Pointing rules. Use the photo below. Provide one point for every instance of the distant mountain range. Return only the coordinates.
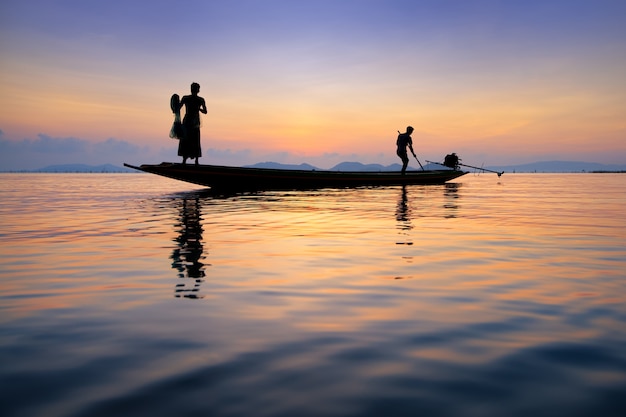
(276, 165)
(545, 166)
(560, 166)
(344, 166)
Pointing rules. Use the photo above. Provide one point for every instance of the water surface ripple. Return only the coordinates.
(132, 295)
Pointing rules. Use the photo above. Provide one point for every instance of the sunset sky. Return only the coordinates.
(324, 81)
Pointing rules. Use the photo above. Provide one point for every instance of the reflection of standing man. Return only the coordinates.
(189, 145)
(403, 212)
(188, 255)
(404, 141)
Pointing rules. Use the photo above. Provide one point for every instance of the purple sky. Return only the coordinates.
(291, 81)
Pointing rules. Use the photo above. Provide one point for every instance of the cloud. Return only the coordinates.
(45, 150)
(44, 144)
(47, 144)
(112, 145)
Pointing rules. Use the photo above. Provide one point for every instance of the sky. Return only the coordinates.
(496, 81)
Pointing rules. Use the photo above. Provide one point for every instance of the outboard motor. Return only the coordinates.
(451, 161)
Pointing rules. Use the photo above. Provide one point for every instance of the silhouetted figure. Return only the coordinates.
(404, 141)
(189, 145)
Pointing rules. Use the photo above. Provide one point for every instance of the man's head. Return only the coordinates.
(409, 129)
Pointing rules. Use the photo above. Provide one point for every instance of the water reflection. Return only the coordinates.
(514, 307)
(428, 200)
(428, 204)
(187, 256)
(451, 195)
(285, 214)
(403, 211)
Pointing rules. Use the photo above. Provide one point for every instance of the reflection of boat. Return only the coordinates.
(250, 179)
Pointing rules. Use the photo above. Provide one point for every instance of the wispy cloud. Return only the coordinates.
(45, 150)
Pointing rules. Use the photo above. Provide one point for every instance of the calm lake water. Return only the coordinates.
(134, 295)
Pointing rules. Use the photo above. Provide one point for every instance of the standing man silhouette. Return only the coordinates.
(189, 145)
(404, 141)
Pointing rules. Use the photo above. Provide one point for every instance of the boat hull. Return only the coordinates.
(225, 178)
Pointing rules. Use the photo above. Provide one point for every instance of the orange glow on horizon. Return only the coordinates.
(309, 122)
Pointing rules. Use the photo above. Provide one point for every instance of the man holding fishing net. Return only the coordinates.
(188, 132)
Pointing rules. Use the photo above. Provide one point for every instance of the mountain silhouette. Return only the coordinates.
(276, 165)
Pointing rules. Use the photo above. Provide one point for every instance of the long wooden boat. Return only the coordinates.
(225, 178)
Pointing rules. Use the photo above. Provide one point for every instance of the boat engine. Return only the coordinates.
(451, 161)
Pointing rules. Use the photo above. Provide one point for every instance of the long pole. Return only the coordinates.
(483, 169)
(418, 161)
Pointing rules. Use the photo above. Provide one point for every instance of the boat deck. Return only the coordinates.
(257, 179)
